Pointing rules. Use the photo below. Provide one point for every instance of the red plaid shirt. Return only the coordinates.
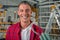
(14, 32)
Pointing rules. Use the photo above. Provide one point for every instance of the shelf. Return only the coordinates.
(49, 2)
(2, 31)
(44, 16)
(54, 35)
(46, 22)
(7, 22)
(51, 28)
(1, 17)
(45, 12)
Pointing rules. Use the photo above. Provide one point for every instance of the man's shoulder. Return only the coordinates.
(13, 26)
(37, 28)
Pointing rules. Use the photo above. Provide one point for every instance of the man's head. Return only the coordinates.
(24, 11)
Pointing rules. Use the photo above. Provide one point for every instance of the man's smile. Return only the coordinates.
(25, 17)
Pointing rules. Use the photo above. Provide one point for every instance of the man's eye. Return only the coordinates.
(21, 10)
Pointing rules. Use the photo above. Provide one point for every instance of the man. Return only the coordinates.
(25, 29)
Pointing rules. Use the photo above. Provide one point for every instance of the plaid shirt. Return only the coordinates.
(14, 32)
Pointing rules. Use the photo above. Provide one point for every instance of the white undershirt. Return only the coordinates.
(25, 33)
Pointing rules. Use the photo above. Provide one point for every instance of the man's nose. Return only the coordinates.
(25, 12)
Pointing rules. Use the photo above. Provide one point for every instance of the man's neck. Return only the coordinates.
(25, 24)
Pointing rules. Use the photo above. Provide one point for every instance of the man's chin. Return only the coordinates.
(25, 21)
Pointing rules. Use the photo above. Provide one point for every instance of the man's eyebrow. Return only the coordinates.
(27, 9)
(19, 9)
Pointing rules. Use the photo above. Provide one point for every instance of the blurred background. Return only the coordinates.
(40, 15)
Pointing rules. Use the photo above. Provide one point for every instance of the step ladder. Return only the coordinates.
(55, 15)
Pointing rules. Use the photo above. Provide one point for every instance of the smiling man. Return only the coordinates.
(25, 29)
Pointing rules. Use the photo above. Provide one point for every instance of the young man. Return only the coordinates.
(25, 29)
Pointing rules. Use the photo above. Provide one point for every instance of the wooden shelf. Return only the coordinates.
(51, 28)
(7, 22)
(54, 35)
(3, 31)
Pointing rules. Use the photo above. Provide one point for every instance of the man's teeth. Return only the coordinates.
(25, 16)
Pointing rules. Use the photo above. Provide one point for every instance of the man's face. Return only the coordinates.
(24, 12)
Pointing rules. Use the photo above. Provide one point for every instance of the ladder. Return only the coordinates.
(55, 15)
